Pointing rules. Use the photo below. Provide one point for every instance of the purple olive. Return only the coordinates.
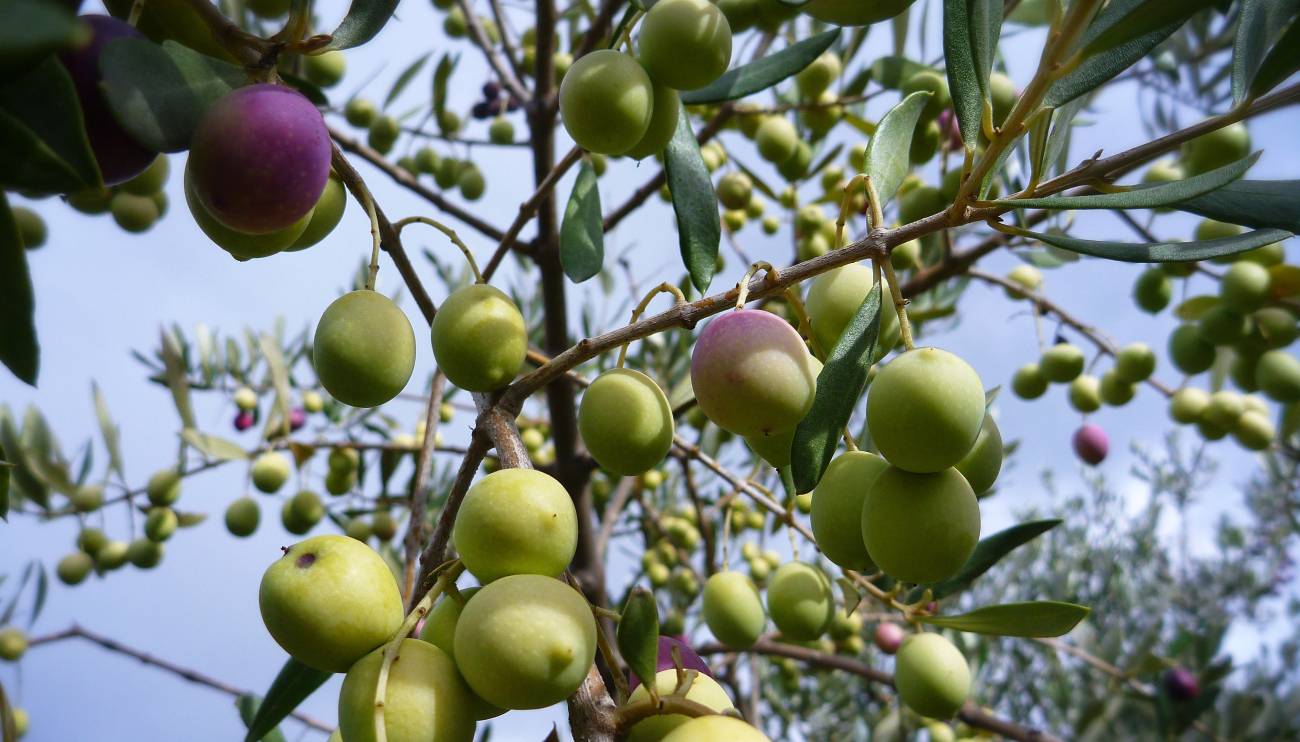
(483, 110)
(690, 660)
(260, 158)
(1181, 684)
(889, 636)
(243, 421)
(119, 157)
(297, 418)
(1091, 444)
(491, 90)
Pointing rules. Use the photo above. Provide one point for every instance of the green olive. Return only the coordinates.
(837, 507)
(479, 338)
(920, 527)
(925, 409)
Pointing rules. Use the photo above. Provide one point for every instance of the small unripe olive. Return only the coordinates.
(1027, 277)
(1028, 382)
(933, 83)
(144, 553)
(1253, 431)
(625, 421)
(931, 675)
(160, 524)
(1085, 393)
(1278, 376)
(91, 540)
(606, 101)
(1188, 404)
(1135, 362)
(919, 203)
(1188, 351)
(325, 69)
(1224, 409)
(111, 556)
(164, 487)
(13, 643)
(516, 521)
(133, 213)
(359, 112)
(87, 498)
(1153, 290)
(325, 216)
(1222, 325)
(151, 180)
(1115, 391)
(270, 471)
(74, 568)
(906, 256)
(302, 512)
(425, 698)
(795, 166)
(1242, 370)
(1277, 326)
(479, 338)
(920, 527)
(242, 517)
(1002, 91)
(1216, 148)
(833, 300)
(776, 140)
(982, 464)
(364, 349)
(735, 190)
(925, 409)
(471, 183)
(732, 609)
(1062, 362)
(837, 507)
(800, 600)
(1245, 286)
(685, 44)
(525, 641)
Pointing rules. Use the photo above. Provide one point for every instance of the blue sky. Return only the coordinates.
(101, 292)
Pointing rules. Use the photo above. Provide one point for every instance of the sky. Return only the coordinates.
(101, 292)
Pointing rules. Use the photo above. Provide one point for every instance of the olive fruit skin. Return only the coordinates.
(931, 675)
(833, 300)
(1278, 376)
(326, 69)
(933, 83)
(1091, 444)
(1244, 286)
(800, 600)
(74, 568)
(817, 77)
(164, 487)
(732, 609)
(242, 517)
(329, 601)
(925, 409)
(837, 507)
(1253, 431)
(260, 158)
(1062, 362)
(13, 644)
(1277, 326)
(1216, 148)
(684, 44)
(920, 527)
(525, 641)
(160, 524)
(776, 140)
(735, 190)
(982, 464)
(606, 101)
(270, 472)
(663, 124)
(119, 157)
(1115, 391)
(1085, 393)
(1153, 290)
(364, 349)
(440, 631)
(425, 699)
(1135, 362)
(479, 338)
(1028, 382)
(626, 422)
(144, 553)
(325, 216)
(1188, 404)
(714, 729)
(752, 373)
(888, 637)
(243, 246)
(854, 12)
(703, 690)
(1189, 352)
(516, 521)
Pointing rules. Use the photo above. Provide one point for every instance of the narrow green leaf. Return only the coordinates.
(582, 234)
(1142, 18)
(189, 520)
(1251, 203)
(1099, 68)
(159, 93)
(295, 682)
(45, 146)
(280, 380)
(1194, 308)
(762, 74)
(1162, 252)
(365, 18)
(40, 593)
(248, 705)
(21, 474)
(109, 430)
(985, 28)
(963, 74)
(1143, 196)
(32, 29)
(839, 385)
(988, 552)
(699, 230)
(1283, 60)
(1257, 25)
(441, 75)
(177, 378)
(405, 78)
(887, 160)
(214, 447)
(1040, 618)
(638, 635)
(18, 347)
(5, 466)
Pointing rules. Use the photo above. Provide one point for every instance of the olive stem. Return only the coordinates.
(401, 224)
(900, 304)
(374, 236)
(137, 8)
(847, 201)
(663, 288)
(671, 704)
(450, 571)
(742, 288)
(873, 203)
(621, 689)
(805, 322)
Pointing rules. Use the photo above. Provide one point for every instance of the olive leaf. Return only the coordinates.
(1251, 203)
(248, 704)
(699, 230)
(638, 635)
(294, 683)
(582, 235)
(45, 146)
(214, 447)
(364, 20)
(18, 347)
(1040, 618)
(1161, 252)
(762, 74)
(988, 552)
(32, 29)
(887, 158)
(1258, 24)
(970, 40)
